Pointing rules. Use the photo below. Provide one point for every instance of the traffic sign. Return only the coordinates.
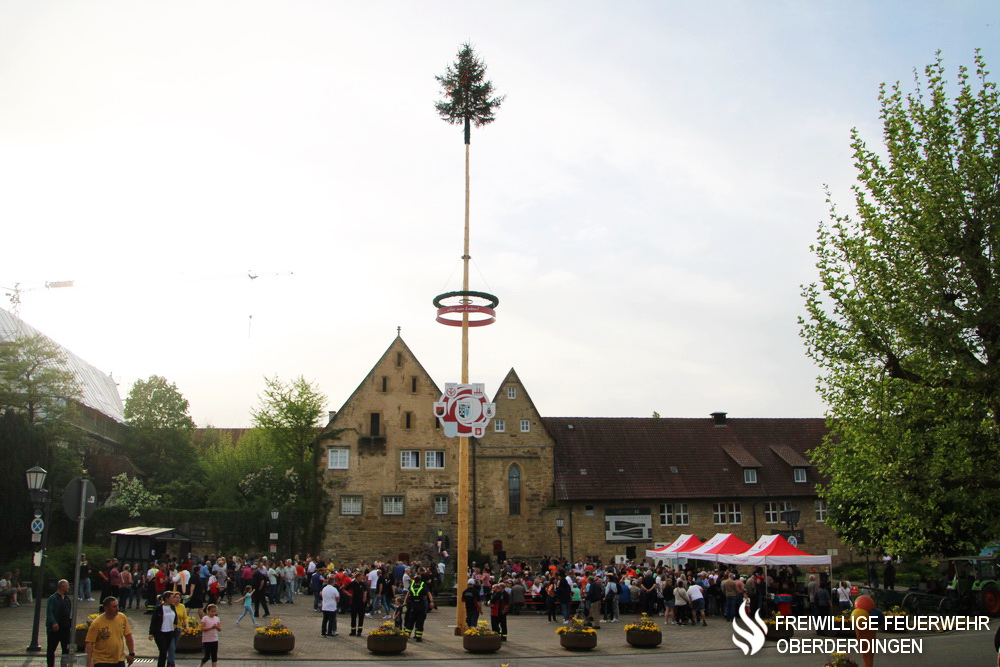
(37, 525)
(71, 498)
(35, 537)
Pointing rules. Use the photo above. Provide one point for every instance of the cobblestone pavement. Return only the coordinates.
(533, 643)
(530, 636)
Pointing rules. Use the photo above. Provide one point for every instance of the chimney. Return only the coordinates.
(720, 418)
(333, 413)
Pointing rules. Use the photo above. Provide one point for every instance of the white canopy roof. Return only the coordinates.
(774, 550)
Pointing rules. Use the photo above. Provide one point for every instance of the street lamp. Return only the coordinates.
(274, 530)
(40, 498)
(791, 517)
(559, 527)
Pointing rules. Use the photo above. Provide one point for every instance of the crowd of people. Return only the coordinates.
(404, 593)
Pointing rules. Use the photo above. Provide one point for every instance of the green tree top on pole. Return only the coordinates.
(468, 94)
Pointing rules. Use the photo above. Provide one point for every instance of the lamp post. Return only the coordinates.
(40, 498)
(791, 517)
(559, 527)
(274, 531)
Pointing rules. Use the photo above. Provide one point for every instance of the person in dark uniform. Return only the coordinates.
(418, 600)
(499, 607)
(470, 598)
(358, 590)
(58, 620)
(260, 583)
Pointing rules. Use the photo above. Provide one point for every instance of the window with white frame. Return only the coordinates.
(499, 425)
(723, 513)
(799, 475)
(434, 460)
(666, 514)
(350, 505)
(773, 510)
(674, 514)
(409, 459)
(441, 504)
(525, 426)
(337, 459)
(511, 392)
(681, 516)
(820, 511)
(750, 475)
(392, 505)
(719, 513)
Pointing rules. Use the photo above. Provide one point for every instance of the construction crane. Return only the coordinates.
(14, 295)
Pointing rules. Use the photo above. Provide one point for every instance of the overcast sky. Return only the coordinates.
(643, 206)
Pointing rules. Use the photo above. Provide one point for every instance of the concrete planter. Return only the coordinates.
(274, 645)
(482, 643)
(578, 641)
(643, 638)
(386, 644)
(188, 643)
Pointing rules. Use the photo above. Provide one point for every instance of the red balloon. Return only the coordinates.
(864, 602)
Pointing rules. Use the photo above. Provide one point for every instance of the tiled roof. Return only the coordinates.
(600, 458)
(790, 456)
(740, 456)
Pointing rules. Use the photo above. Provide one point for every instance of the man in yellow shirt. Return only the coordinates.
(108, 637)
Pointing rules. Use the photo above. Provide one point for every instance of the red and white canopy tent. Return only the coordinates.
(669, 552)
(722, 544)
(774, 550)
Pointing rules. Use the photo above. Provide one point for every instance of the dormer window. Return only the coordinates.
(750, 475)
(800, 475)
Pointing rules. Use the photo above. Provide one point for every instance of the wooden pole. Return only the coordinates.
(462, 557)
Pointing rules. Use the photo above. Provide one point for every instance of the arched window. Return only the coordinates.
(514, 490)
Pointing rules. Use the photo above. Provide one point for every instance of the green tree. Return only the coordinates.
(227, 466)
(289, 415)
(904, 324)
(468, 94)
(131, 494)
(159, 441)
(35, 380)
(156, 404)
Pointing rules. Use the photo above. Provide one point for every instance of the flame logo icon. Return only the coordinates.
(754, 636)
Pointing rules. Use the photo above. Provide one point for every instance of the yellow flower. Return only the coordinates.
(480, 630)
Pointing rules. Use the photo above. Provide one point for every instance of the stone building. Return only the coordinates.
(625, 485)
(620, 485)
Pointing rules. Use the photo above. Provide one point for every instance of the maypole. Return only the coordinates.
(464, 410)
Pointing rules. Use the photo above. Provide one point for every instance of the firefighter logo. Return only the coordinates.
(464, 410)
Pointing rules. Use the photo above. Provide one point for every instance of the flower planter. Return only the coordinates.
(481, 643)
(386, 644)
(644, 638)
(81, 639)
(279, 644)
(578, 641)
(775, 633)
(189, 643)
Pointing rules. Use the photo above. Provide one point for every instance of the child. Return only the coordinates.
(211, 626)
(247, 605)
(400, 611)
